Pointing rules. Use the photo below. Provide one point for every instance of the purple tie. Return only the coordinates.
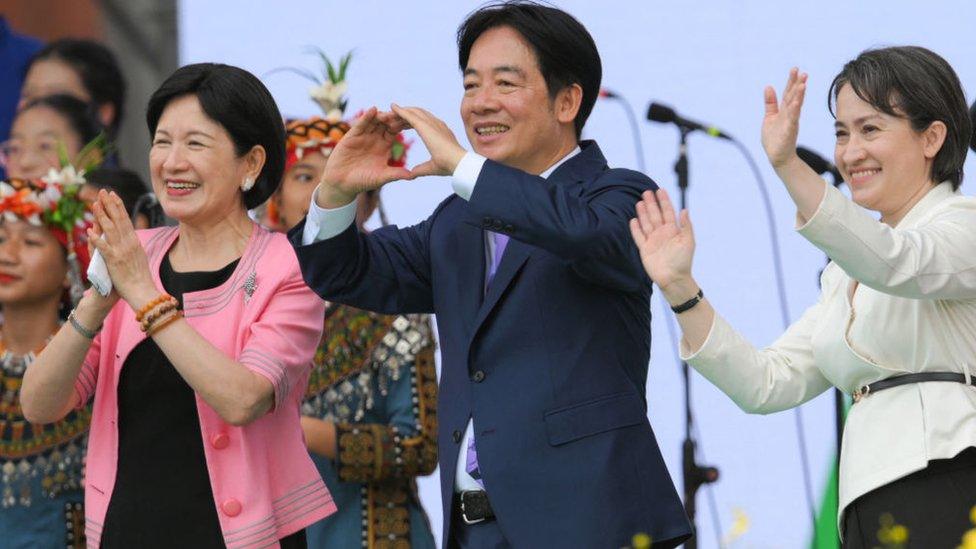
(500, 241)
(471, 464)
(471, 461)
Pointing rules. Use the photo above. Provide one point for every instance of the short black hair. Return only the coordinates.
(564, 49)
(97, 68)
(917, 84)
(76, 112)
(242, 105)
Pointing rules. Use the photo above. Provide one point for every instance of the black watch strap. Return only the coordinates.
(678, 309)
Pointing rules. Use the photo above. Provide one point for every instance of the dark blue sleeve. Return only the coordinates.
(584, 223)
(386, 271)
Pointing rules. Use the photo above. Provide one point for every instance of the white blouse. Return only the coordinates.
(913, 311)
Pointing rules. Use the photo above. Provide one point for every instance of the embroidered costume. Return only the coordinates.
(42, 466)
(374, 378)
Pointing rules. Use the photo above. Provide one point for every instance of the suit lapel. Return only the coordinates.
(515, 256)
(471, 270)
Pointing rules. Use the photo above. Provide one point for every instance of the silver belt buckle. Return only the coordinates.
(861, 392)
(464, 515)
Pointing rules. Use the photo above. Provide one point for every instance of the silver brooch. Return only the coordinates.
(250, 284)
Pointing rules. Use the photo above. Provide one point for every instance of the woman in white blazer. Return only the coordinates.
(895, 324)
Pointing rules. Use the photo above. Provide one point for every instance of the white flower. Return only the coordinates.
(6, 189)
(329, 91)
(328, 95)
(334, 115)
(35, 220)
(67, 176)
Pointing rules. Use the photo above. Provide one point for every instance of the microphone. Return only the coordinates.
(663, 113)
(819, 164)
(606, 93)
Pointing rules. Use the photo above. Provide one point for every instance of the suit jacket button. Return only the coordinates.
(496, 225)
(231, 507)
(508, 228)
(456, 435)
(487, 222)
(478, 376)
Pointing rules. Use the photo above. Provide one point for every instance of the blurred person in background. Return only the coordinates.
(43, 130)
(85, 69)
(370, 413)
(16, 51)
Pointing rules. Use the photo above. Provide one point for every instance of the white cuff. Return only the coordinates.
(325, 223)
(466, 174)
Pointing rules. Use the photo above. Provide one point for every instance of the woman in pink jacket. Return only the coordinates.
(199, 356)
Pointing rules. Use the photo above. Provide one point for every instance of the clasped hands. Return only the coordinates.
(114, 236)
(359, 161)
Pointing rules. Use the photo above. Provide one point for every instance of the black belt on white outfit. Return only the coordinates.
(923, 377)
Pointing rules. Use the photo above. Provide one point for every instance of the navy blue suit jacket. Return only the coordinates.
(551, 363)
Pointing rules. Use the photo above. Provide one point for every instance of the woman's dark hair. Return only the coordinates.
(239, 102)
(916, 84)
(96, 67)
(78, 114)
(972, 120)
(563, 48)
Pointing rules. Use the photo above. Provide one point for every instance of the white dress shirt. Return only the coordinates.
(913, 311)
(323, 223)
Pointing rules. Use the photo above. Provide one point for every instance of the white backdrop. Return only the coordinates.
(710, 60)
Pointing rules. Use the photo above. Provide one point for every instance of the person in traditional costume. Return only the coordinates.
(43, 257)
(370, 413)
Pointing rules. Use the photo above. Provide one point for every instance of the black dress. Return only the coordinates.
(162, 496)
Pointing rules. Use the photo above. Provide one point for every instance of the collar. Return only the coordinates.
(936, 195)
(576, 150)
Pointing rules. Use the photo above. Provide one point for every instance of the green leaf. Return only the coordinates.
(63, 157)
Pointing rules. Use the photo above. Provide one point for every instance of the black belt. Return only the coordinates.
(865, 390)
(473, 506)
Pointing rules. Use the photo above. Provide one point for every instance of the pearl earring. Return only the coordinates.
(247, 184)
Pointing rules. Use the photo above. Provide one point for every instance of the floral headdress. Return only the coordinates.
(322, 134)
(54, 202)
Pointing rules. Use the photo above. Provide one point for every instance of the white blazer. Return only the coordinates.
(914, 311)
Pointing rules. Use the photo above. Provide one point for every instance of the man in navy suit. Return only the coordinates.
(541, 302)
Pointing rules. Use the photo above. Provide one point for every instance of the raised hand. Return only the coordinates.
(445, 151)
(782, 121)
(359, 162)
(666, 247)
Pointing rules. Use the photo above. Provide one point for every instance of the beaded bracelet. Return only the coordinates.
(157, 312)
(151, 305)
(163, 323)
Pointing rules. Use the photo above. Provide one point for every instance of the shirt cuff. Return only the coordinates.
(466, 174)
(325, 223)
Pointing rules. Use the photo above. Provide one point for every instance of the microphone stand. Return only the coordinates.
(694, 475)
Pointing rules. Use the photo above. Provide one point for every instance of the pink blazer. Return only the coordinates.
(264, 483)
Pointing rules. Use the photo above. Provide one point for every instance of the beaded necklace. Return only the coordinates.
(30, 452)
